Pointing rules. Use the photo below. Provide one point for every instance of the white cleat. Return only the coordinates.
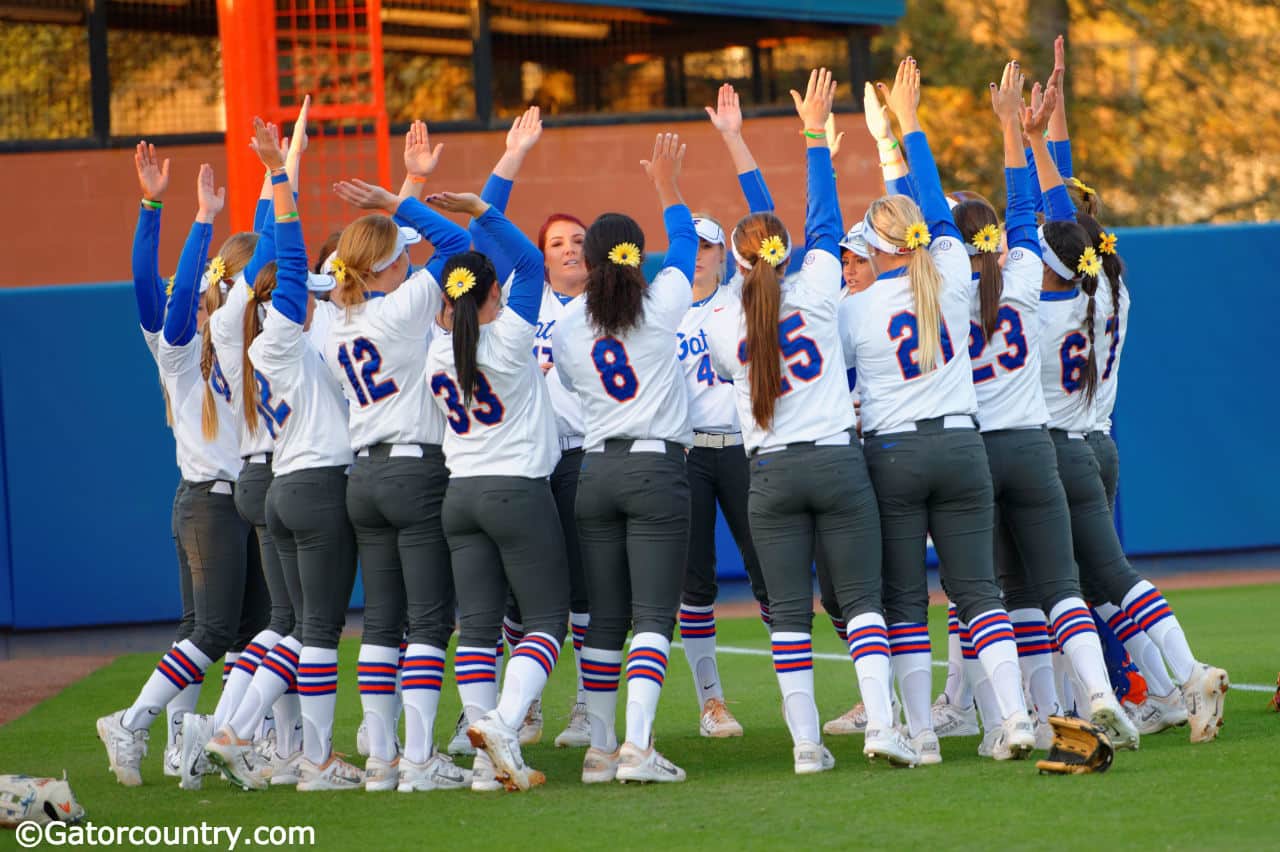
(1019, 738)
(599, 766)
(576, 734)
(1158, 713)
(334, 774)
(197, 730)
(173, 759)
(1204, 695)
(927, 746)
(381, 775)
(1044, 736)
(238, 759)
(265, 746)
(812, 758)
(531, 727)
(1105, 712)
(952, 721)
(643, 767)
(482, 778)
(717, 721)
(460, 744)
(286, 771)
(889, 744)
(125, 748)
(362, 739)
(503, 747)
(438, 772)
(852, 721)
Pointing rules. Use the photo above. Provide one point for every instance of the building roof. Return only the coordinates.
(877, 12)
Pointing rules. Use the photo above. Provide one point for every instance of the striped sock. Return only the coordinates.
(1077, 636)
(765, 617)
(1139, 645)
(182, 667)
(1035, 659)
(1147, 608)
(840, 627)
(317, 695)
(578, 623)
(868, 641)
(275, 676)
(183, 703)
(911, 657)
(601, 671)
(998, 652)
(984, 696)
(698, 635)
(499, 649)
(957, 690)
(377, 670)
(421, 678)
(531, 664)
(235, 686)
(793, 664)
(646, 672)
(404, 648)
(475, 670)
(228, 663)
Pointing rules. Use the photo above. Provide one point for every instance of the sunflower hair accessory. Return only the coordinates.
(1107, 245)
(168, 288)
(1082, 186)
(338, 268)
(625, 254)
(216, 270)
(459, 282)
(987, 240)
(918, 235)
(772, 250)
(1090, 264)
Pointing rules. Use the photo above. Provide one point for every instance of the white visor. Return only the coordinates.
(401, 242)
(855, 242)
(1053, 261)
(709, 231)
(411, 236)
(320, 282)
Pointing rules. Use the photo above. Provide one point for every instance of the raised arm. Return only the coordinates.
(264, 251)
(420, 160)
(726, 118)
(904, 100)
(148, 286)
(525, 132)
(1059, 138)
(446, 237)
(893, 165)
(184, 304)
(1035, 119)
(1020, 212)
(664, 171)
(290, 295)
(822, 216)
(524, 258)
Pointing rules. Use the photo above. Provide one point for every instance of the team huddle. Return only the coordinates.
(522, 439)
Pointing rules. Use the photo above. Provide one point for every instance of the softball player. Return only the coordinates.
(306, 503)
(616, 348)
(560, 240)
(499, 512)
(924, 454)
(212, 533)
(375, 352)
(1069, 377)
(808, 481)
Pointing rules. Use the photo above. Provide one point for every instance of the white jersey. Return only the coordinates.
(878, 331)
(226, 324)
(377, 353)
(712, 404)
(305, 404)
(508, 429)
(1064, 357)
(567, 406)
(815, 391)
(200, 460)
(1112, 330)
(630, 386)
(1006, 368)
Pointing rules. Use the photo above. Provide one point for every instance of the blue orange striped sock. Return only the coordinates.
(868, 641)
(421, 679)
(1035, 660)
(182, 667)
(997, 650)
(1146, 656)
(318, 696)
(840, 627)
(957, 689)
(1147, 608)
(698, 635)
(984, 696)
(793, 665)
(530, 665)
(1075, 633)
(601, 671)
(237, 684)
(277, 675)
(911, 657)
(377, 670)
(646, 673)
(475, 670)
(578, 624)
(766, 617)
(229, 663)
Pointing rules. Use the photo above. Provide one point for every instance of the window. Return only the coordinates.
(427, 62)
(44, 71)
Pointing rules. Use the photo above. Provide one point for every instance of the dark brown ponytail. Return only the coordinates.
(466, 316)
(972, 217)
(1068, 241)
(761, 304)
(263, 287)
(1112, 265)
(615, 291)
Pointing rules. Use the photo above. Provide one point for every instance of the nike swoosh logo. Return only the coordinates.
(707, 686)
(66, 809)
(716, 310)
(889, 446)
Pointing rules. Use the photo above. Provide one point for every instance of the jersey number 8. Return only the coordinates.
(616, 375)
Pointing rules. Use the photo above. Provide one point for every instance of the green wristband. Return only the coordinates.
(152, 205)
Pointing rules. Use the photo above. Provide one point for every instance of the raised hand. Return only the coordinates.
(420, 159)
(833, 139)
(904, 98)
(211, 199)
(668, 155)
(367, 196)
(298, 142)
(815, 106)
(1035, 118)
(727, 115)
(459, 202)
(266, 143)
(1059, 64)
(525, 131)
(876, 114)
(1006, 98)
(153, 176)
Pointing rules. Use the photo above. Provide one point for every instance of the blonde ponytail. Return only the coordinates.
(761, 304)
(208, 407)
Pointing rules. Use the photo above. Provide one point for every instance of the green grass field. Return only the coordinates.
(742, 793)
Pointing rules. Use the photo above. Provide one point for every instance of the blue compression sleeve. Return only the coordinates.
(184, 304)
(822, 216)
(1058, 205)
(756, 191)
(148, 286)
(445, 237)
(525, 297)
(265, 251)
(290, 295)
(262, 214)
(901, 186)
(1020, 215)
(1037, 200)
(682, 240)
(929, 195)
(497, 191)
(1061, 153)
